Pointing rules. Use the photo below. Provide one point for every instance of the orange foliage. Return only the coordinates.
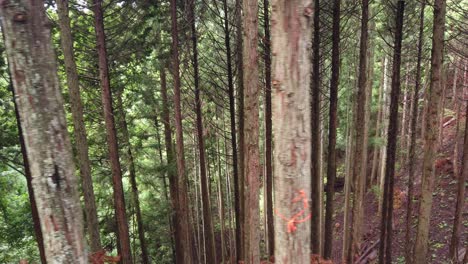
(100, 257)
(314, 259)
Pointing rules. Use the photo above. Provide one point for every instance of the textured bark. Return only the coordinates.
(27, 174)
(183, 215)
(462, 177)
(412, 146)
(251, 150)
(333, 124)
(268, 133)
(40, 105)
(385, 251)
(79, 126)
(430, 137)
(359, 164)
(133, 183)
(383, 150)
(291, 36)
(208, 221)
(240, 107)
(232, 112)
(315, 133)
(119, 201)
(457, 108)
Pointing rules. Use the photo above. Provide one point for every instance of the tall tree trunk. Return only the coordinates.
(240, 106)
(79, 126)
(232, 112)
(209, 235)
(387, 201)
(133, 183)
(182, 208)
(412, 146)
(359, 164)
(462, 176)
(291, 36)
(384, 132)
(268, 132)
(40, 106)
(333, 124)
(430, 138)
(315, 132)
(27, 174)
(119, 201)
(170, 162)
(457, 109)
(251, 132)
(442, 106)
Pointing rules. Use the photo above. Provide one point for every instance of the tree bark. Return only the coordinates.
(268, 133)
(291, 36)
(182, 208)
(79, 126)
(133, 183)
(209, 235)
(119, 201)
(359, 164)
(251, 132)
(232, 112)
(385, 251)
(40, 105)
(315, 132)
(332, 126)
(27, 174)
(412, 146)
(430, 137)
(462, 177)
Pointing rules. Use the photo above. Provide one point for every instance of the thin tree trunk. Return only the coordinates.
(332, 126)
(79, 126)
(412, 146)
(133, 183)
(183, 223)
(442, 106)
(232, 112)
(457, 109)
(383, 151)
(209, 235)
(119, 201)
(359, 164)
(222, 214)
(430, 139)
(462, 177)
(33, 70)
(315, 132)
(268, 133)
(291, 36)
(378, 127)
(251, 132)
(385, 251)
(27, 174)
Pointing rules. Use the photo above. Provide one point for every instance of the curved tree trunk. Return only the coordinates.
(79, 126)
(291, 36)
(33, 70)
(430, 137)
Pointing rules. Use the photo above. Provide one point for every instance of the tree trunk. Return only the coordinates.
(385, 252)
(209, 235)
(40, 106)
(462, 176)
(412, 146)
(79, 126)
(457, 109)
(268, 133)
(240, 106)
(332, 126)
(359, 164)
(232, 112)
(133, 183)
(119, 201)
(251, 133)
(291, 36)
(383, 151)
(315, 132)
(182, 208)
(430, 138)
(27, 174)
(440, 139)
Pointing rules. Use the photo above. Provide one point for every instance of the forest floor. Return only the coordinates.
(443, 208)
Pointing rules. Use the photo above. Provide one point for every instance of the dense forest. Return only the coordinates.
(233, 131)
